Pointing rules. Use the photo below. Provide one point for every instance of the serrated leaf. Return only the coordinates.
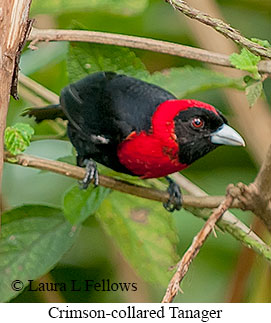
(144, 232)
(124, 7)
(246, 61)
(184, 81)
(89, 58)
(86, 58)
(79, 204)
(263, 42)
(17, 137)
(33, 239)
(253, 92)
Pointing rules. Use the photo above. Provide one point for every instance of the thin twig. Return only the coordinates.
(254, 124)
(39, 89)
(190, 254)
(229, 222)
(30, 97)
(262, 181)
(136, 42)
(190, 187)
(220, 26)
(110, 182)
(235, 227)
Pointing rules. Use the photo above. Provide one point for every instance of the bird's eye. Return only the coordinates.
(197, 123)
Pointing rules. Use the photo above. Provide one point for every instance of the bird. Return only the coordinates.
(137, 128)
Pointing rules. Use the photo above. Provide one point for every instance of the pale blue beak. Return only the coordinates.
(225, 135)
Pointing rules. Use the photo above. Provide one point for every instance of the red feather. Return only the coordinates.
(155, 154)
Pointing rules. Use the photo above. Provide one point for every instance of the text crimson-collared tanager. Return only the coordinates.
(137, 128)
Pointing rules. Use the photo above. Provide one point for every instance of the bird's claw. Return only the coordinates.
(175, 199)
(91, 174)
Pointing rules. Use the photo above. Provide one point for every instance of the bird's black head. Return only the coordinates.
(200, 128)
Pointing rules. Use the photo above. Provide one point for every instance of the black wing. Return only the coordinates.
(111, 105)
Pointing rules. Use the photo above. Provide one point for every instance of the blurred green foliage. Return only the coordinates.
(148, 238)
(124, 7)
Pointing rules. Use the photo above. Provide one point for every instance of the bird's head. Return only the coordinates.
(200, 128)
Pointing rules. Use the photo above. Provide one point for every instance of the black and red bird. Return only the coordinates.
(137, 128)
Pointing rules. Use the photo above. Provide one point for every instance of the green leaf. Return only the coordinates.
(144, 232)
(17, 137)
(79, 204)
(123, 177)
(69, 159)
(184, 81)
(246, 61)
(33, 239)
(253, 92)
(85, 58)
(124, 7)
(263, 42)
(89, 58)
(249, 80)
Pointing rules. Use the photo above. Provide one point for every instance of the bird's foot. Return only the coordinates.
(175, 199)
(91, 174)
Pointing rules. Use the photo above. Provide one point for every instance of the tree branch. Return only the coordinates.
(190, 254)
(39, 89)
(228, 222)
(136, 42)
(109, 182)
(220, 26)
(256, 197)
(191, 203)
(30, 97)
(14, 26)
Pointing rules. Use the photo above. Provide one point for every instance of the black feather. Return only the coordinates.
(103, 109)
(50, 112)
(129, 102)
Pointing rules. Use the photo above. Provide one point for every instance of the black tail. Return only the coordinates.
(50, 112)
